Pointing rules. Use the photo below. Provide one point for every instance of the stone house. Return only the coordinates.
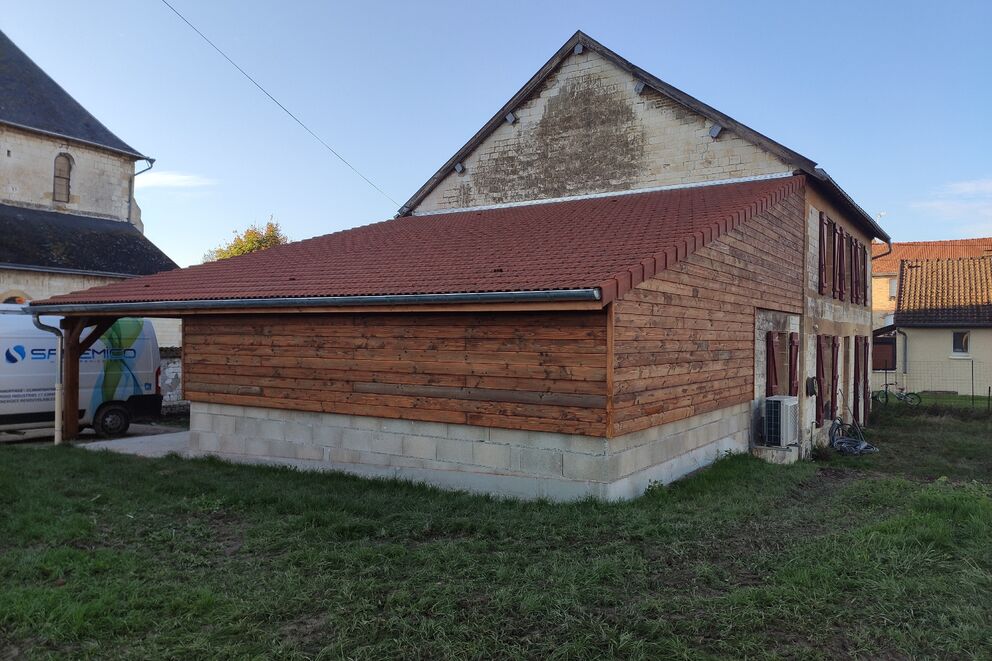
(599, 290)
(68, 217)
(941, 337)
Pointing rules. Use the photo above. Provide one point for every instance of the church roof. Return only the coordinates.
(42, 240)
(30, 99)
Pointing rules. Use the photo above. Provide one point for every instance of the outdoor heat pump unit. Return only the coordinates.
(781, 420)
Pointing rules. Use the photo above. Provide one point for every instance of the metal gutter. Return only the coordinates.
(59, 269)
(59, 341)
(538, 296)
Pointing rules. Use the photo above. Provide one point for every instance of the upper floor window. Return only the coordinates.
(843, 264)
(961, 341)
(893, 288)
(63, 173)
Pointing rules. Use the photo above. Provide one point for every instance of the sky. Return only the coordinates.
(892, 98)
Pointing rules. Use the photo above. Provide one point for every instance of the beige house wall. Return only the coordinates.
(925, 362)
(100, 183)
(883, 304)
(587, 130)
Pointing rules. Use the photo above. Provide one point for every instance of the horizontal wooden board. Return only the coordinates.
(543, 372)
(683, 340)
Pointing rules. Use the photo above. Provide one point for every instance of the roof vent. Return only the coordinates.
(639, 86)
(510, 118)
(459, 168)
(715, 131)
(578, 49)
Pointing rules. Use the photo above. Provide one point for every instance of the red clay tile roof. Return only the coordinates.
(945, 292)
(927, 250)
(611, 243)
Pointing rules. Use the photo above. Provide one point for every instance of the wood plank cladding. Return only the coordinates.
(683, 341)
(534, 371)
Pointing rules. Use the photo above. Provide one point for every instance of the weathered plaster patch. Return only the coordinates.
(587, 139)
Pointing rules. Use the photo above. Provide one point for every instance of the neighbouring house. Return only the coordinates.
(885, 268)
(599, 290)
(941, 338)
(68, 217)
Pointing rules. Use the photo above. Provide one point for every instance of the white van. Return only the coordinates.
(118, 375)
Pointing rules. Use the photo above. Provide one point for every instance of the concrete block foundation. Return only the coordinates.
(506, 462)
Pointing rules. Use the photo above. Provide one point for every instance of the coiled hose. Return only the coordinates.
(848, 439)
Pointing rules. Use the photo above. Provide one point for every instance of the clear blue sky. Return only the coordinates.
(894, 99)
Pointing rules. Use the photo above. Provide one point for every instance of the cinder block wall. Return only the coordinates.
(526, 464)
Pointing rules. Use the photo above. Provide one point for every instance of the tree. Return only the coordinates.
(253, 239)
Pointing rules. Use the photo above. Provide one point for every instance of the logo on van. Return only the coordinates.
(15, 354)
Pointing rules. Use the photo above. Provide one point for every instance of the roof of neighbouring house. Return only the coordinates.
(945, 292)
(977, 247)
(606, 242)
(38, 239)
(30, 99)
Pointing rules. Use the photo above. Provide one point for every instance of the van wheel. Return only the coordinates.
(112, 420)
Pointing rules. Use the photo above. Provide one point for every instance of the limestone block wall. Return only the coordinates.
(100, 184)
(526, 464)
(824, 315)
(587, 130)
(36, 285)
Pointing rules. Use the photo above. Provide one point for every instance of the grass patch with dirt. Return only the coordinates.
(108, 555)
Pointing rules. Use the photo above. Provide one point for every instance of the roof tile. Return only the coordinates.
(945, 292)
(927, 250)
(587, 243)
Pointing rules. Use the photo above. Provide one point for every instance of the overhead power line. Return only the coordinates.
(276, 101)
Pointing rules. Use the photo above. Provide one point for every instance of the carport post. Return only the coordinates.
(74, 347)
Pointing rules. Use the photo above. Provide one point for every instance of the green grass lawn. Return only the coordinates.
(979, 402)
(888, 556)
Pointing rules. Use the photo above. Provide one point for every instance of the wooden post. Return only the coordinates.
(74, 347)
(72, 328)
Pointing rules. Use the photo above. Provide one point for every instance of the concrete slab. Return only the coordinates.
(156, 445)
(46, 436)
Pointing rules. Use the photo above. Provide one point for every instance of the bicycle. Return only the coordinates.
(908, 398)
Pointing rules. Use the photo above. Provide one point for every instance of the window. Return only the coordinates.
(883, 358)
(961, 341)
(827, 377)
(893, 288)
(779, 372)
(63, 172)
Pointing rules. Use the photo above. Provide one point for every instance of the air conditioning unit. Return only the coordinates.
(781, 420)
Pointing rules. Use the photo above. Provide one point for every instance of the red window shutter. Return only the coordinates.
(865, 392)
(852, 248)
(835, 233)
(842, 252)
(771, 371)
(856, 381)
(820, 354)
(864, 274)
(794, 364)
(862, 281)
(834, 375)
(823, 253)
